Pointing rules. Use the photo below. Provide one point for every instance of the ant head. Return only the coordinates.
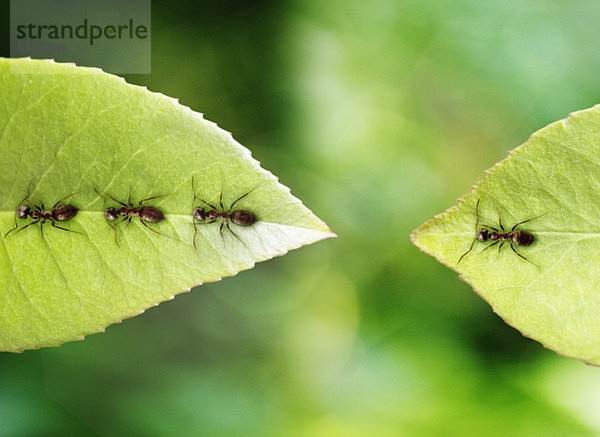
(23, 211)
(483, 235)
(110, 213)
(199, 214)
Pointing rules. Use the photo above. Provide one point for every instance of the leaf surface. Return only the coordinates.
(67, 129)
(554, 295)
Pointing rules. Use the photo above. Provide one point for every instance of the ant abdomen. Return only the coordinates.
(151, 214)
(243, 218)
(64, 213)
(523, 238)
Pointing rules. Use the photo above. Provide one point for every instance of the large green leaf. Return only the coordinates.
(65, 130)
(554, 295)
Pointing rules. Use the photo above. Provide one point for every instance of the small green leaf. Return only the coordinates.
(69, 130)
(554, 295)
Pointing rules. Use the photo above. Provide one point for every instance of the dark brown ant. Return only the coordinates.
(150, 214)
(520, 238)
(39, 214)
(240, 217)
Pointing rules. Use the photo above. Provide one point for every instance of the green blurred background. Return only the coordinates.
(378, 115)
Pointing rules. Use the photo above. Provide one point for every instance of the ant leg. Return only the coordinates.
(205, 202)
(154, 230)
(235, 235)
(6, 235)
(16, 225)
(26, 226)
(20, 203)
(116, 224)
(485, 226)
(470, 248)
(201, 200)
(462, 256)
(119, 202)
(38, 207)
(28, 192)
(128, 221)
(150, 198)
(221, 195)
(26, 199)
(195, 228)
(65, 229)
(221, 228)
(500, 222)
(115, 228)
(240, 198)
(204, 223)
(103, 198)
(491, 245)
(63, 199)
(196, 223)
(500, 247)
(525, 221)
(515, 251)
(116, 241)
(244, 195)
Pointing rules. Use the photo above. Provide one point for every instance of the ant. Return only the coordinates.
(520, 238)
(150, 214)
(39, 214)
(240, 217)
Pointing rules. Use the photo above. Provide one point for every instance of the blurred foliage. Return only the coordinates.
(378, 115)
